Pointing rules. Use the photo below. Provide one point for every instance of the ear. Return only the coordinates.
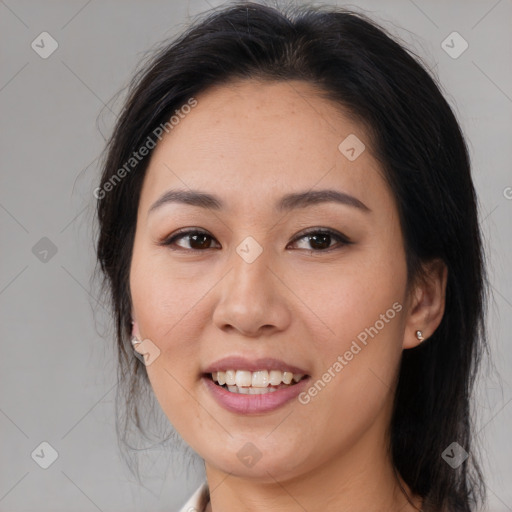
(426, 303)
(135, 329)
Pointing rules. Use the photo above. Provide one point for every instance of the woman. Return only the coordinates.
(288, 231)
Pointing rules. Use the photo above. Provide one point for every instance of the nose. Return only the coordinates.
(252, 298)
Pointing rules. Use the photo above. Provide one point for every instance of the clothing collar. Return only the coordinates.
(198, 501)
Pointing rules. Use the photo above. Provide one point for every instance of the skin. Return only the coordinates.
(249, 143)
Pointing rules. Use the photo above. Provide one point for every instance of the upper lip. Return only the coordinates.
(252, 365)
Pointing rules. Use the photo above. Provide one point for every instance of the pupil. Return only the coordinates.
(201, 245)
(326, 237)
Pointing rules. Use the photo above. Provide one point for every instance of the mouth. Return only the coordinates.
(259, 382)
(270, 392)
(248, 385)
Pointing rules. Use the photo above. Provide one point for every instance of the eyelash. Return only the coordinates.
(339, 237)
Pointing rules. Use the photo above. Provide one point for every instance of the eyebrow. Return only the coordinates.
(286, 203)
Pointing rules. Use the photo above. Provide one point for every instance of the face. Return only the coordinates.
(313, 287)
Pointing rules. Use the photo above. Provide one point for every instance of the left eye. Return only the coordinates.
(319, 239)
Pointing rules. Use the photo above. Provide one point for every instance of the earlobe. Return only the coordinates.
(135, 329)
(427, 307)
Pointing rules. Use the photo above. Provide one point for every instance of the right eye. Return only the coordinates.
(198, 240)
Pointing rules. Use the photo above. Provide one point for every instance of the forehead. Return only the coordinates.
(254, 140)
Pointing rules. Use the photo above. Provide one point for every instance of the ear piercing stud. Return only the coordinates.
(419, 335)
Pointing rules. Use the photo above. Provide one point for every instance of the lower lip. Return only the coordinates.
(253, 404)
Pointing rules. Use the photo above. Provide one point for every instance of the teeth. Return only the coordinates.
(259, 379)
(287, 377)
(251, 390)
(275, 377)
(261, 391)
(230, 377)
(240, 379)
(243, 378)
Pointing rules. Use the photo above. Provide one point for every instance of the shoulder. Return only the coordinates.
(197, 502)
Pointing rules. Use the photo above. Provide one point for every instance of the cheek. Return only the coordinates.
(351, 297)
(164, 294)
(359, 344)
(357, 365)
(165, 306)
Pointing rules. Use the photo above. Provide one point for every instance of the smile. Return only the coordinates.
(255, 383)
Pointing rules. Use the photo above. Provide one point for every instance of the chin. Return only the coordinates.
(248, 461)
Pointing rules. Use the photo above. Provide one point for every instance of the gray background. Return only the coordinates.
(57, 368)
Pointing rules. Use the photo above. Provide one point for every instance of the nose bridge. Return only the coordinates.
(250, 266)
(250, 283)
